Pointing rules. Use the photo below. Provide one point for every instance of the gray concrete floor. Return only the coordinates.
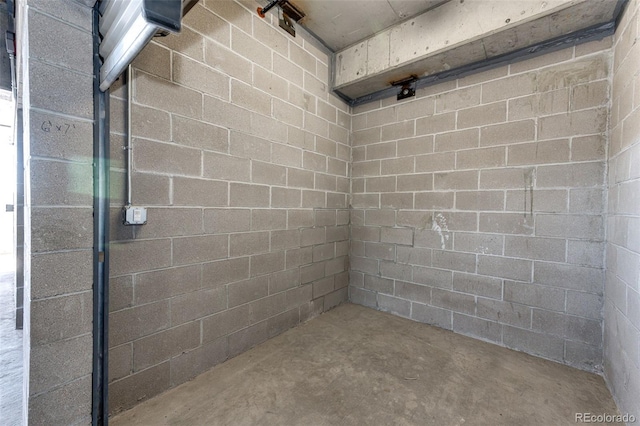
(357, 366)
(10, 348)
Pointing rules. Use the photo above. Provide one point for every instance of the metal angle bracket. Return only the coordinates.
(407, 87)
(286, 24)
(289, 13)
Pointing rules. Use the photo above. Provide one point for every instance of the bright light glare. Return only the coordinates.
(7, 174)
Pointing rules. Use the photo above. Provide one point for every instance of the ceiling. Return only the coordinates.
(378, 42)
(341, 23)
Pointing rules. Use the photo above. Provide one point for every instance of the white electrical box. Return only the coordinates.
(134, 215)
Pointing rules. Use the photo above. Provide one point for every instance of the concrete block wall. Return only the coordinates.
(622, 292)
(478, 205)
(241, 154)
(57, 101)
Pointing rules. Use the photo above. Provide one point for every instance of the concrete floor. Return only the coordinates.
(357, 366)
(10, 348)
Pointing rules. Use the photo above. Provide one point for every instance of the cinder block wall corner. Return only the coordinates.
(241, 154)
(478, 206)
(463, 215)
(622, 297)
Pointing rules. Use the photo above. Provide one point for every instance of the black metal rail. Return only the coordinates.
(100, 394)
